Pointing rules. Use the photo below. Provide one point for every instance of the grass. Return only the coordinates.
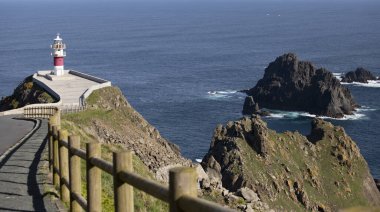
(142, 201)
(302, 164)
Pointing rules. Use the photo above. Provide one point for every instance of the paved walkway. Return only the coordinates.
(11, 131)
(69, 87)
(20, 178)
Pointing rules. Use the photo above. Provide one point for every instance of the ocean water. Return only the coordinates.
(181, 63)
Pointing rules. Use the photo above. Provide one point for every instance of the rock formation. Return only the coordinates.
(288, 171)
(359, 75)
(290, 84)
(252, 107)
(26, 93)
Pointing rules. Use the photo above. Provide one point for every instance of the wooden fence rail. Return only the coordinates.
(39, 112)
(64, 162)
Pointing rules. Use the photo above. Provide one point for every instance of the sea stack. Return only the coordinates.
(293, 85)
(359, 75)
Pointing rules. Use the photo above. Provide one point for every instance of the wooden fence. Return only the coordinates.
(39, 112)
(64, 161)
(48, 111)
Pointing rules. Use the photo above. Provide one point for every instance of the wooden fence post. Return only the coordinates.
(52, 121)
(123, 193)
(75, 173)
(64, 166)
(50, 142)
(56, 182)
(58, 113)
(182, 181)
(94, 181)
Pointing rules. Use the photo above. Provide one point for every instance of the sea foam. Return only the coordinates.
(370, 84)
(278, 114)
(224, 94)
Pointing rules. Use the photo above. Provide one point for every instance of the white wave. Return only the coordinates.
(198, 160)
(278, 114)
(355, 116)
(365, 108)
(338, 75)
(222, 94)
(370, 84)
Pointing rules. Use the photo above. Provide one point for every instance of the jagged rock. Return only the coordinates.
(225, 192)
(232, 198)
(215, 183)
(205, 184)
(251, 107)
(223, 154)
(213, 169)
(290, 84)
(249, 209)
(290, 167)
(359, 75)
(248, 194)
(201, 173)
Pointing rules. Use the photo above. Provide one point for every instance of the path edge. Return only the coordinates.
(7, 154)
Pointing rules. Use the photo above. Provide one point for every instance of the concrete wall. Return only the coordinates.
(103, 83)
(87, 76)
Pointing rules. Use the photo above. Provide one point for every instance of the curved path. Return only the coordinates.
(20, 176)
(11, 131)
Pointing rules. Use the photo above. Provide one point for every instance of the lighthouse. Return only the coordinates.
(58, 52)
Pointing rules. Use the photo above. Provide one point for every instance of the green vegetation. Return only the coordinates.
(297, 174)
(143, 202)
(108, 108)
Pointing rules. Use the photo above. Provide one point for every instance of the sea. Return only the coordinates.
(182, 63)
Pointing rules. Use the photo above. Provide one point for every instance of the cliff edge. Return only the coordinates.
(110, 119)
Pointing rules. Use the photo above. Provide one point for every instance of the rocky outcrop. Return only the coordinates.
(359, 75)
(252, 107)
(290, 84)
(27, 92)
(288, 171)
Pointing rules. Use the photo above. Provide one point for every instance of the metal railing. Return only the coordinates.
(72, 108)
(64, 161)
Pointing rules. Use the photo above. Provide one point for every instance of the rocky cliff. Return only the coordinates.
(288, 171)
(291, 84)
(111, 119)
(27, 92)
(359, 75)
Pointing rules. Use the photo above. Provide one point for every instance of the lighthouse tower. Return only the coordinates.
(58, 52)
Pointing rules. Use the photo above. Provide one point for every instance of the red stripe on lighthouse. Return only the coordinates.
(58, 61)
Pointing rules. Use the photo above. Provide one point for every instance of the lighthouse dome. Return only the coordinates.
(58, 38)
